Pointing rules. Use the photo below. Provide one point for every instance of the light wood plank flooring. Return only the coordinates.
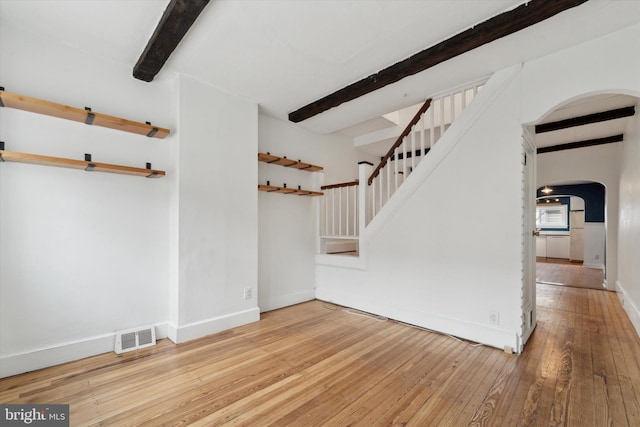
(317, 365)
(569, 274)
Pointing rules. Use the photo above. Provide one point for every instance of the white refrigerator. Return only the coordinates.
(576, 242)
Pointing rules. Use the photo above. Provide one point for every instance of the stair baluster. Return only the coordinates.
(344, 209)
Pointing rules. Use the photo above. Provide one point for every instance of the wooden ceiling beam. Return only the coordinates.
(176, 20)
(603, 116)
(581, 144)
(490, 30)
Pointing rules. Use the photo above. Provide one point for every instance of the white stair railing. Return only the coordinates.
(340, 210)
(347, 208)
(422, 133)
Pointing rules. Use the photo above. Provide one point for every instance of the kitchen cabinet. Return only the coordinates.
(552, 246)
(558, 246)
(541, 246)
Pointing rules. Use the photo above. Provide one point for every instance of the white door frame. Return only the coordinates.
(529, 186)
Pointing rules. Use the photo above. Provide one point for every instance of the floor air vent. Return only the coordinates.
(134, 339)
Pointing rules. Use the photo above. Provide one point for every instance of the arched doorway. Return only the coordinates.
(574, 149)
(571, 240)
(579, 141)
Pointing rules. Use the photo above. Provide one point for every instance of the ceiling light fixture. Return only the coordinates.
(547, 190)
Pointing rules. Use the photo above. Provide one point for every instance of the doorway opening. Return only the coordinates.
(571, 235)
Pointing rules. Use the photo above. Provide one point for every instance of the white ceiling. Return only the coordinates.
(284, 54)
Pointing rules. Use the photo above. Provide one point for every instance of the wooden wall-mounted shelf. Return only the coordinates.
(286, 190)
(20, 102)
(36, 159)
(283, 161)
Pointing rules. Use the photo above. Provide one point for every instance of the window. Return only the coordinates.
(554, 217)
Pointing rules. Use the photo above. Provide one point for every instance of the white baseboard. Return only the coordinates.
(191, 331)
(597, 266)
(485, 334)
(286, 300)
(629, 307)
(18, 363)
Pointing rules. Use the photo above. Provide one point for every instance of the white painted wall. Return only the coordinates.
(447, 258)
(628, 284)
(287, 234)
(595, 238)
(81, 254)
(217, 212)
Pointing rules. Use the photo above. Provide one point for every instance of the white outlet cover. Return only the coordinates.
(494, 317)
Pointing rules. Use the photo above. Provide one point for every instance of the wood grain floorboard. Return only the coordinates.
(315, 364)
(569, 274)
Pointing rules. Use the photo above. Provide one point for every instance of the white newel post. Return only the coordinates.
(364, 171)
(318, 182)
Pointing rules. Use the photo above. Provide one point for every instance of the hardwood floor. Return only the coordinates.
(316, 365)
(569, 274)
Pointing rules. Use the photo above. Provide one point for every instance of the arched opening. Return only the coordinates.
(576, 142)
(571, 234)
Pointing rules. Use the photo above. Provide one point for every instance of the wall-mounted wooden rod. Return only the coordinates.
(82, 115)
(87, 165)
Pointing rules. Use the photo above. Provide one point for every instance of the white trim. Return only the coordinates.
(629, 307)
(202, 328)
(343, 261)
(597, 266)
(287, 300)
(523, 340)
(486, 334)
(44, 357)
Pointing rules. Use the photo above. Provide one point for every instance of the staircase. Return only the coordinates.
(348, 208)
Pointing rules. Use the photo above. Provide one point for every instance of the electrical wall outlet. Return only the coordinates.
(494, 317)
(247, 293)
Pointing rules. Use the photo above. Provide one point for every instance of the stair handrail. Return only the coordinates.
(398, 142)
(339, 185)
